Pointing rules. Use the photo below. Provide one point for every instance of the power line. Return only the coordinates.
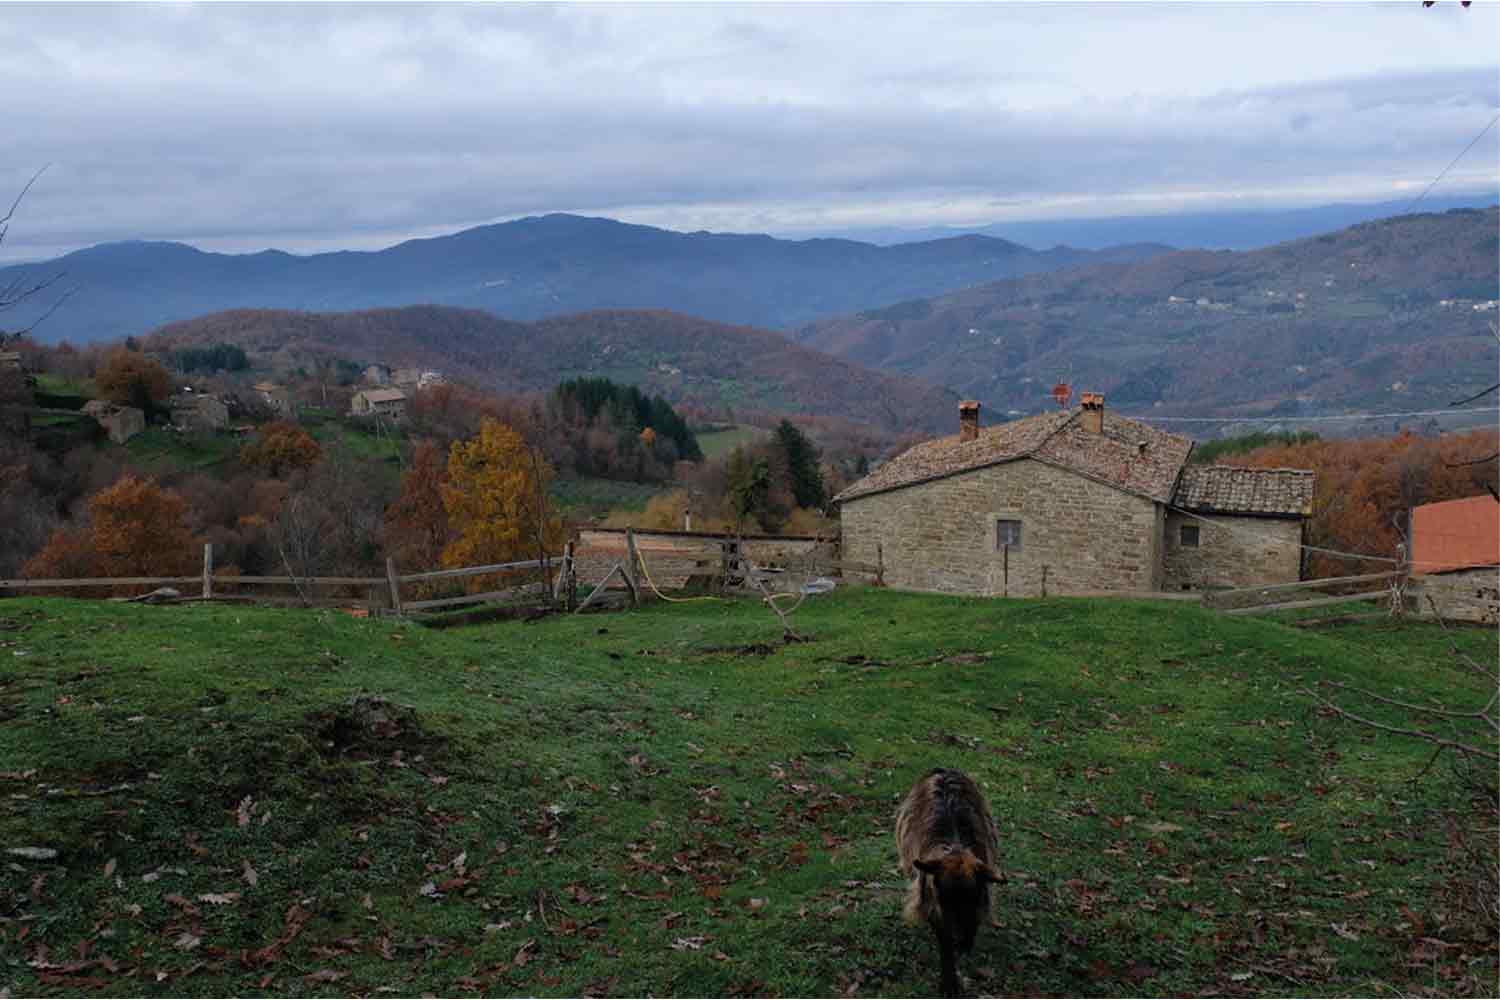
(1318, 417)
(1450, 166)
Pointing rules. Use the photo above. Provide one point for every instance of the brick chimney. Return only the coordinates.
(968, 420)
(1093, 411)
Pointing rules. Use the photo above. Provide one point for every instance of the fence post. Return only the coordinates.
(879, 565)
(1044, 581)
(390, 576)
(631, 566)
(570, 578)
(208, 570)
(1005, 569)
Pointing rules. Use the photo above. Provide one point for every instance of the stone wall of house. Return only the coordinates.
(1079, 534)
(1471, 595)
(1232, 552)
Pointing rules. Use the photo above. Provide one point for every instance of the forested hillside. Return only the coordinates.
(685, 359)
(1394, 313)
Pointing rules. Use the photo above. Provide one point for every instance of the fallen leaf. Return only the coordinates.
(1343, 931)
(325, 976)
(694, 943)
(1240, 977)
(1163, 827)
(250, 875)
(459, 862)
(430, 890)
(218, 898)
(109, 867)
(756, 904)
(525, 953)
(246, 807)
(32, 853)
(187, 941)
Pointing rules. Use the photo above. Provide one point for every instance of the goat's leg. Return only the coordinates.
(948, 955)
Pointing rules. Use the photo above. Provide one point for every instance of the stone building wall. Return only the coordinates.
(1471, 595)
(1232, 552)
(941, 535)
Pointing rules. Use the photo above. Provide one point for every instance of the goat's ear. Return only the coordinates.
(988, 873)
(932, 866)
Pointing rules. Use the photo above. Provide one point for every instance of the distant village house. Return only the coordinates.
(387, 403)
(1076, 501)
(275, 397)
(377, 375)
(121, 423)
(198, 411)
(1455, 559)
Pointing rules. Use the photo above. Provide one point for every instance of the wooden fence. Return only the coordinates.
(382, 592)
(1289, 596)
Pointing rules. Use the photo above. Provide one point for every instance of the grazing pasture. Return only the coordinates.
(669, 801)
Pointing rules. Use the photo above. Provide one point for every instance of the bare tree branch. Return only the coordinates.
(1476, 461)
(1483, 713)
(1418, 734)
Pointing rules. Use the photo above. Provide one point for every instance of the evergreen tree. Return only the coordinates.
(802, 466)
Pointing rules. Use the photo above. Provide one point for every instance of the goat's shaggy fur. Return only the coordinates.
(948, 844)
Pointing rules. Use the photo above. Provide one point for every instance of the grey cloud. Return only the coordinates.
(234, 126)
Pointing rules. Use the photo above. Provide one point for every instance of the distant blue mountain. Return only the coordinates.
(530, 269)
(1194, 230)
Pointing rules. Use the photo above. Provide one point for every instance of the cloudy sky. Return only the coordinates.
(238, 127)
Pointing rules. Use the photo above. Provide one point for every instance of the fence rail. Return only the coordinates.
(388, 586)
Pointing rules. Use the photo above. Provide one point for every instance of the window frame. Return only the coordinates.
(1182, 536)
(1000, 543)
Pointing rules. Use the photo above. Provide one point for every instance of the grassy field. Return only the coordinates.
(668, 801)
(580, 497)
(716, 444)
(161, 446)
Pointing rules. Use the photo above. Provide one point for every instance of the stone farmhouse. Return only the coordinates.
(1455, 558)
(121, 423)
(1075, 501)
(387, 403)
(198, 411)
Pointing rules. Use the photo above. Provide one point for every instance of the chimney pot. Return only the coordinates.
(1093, 411)
(968, 420)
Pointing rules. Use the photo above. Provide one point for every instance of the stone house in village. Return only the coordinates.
(275, 398)
(198, 411)
(121, 423)
(1073, 502)
(1455, 558)
(387, 403)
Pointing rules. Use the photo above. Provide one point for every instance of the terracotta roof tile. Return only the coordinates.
(1222, 489)
(1455, 534)
(382, 395)
(1114, 457)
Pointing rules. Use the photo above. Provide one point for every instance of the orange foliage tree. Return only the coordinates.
(496, 498)
(135, 528)
(1366, 486)
(129, 378)
(416, 524)
(282, 447)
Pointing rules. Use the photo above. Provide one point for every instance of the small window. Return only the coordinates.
(1007, 534)
(1189, 536)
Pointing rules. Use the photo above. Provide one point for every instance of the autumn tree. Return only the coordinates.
(135, 528)
(496, 499)
(129, 378)
(282, 447)
(416, 524)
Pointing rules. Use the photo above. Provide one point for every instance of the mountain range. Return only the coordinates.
(1395, 313)
(529, 269)
(1198, 230)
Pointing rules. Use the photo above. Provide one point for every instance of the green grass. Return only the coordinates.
(625, 804)
(165, 447)
(61, 385)
(583, 497)
(716, 444)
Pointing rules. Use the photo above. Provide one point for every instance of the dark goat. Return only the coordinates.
(948, 846)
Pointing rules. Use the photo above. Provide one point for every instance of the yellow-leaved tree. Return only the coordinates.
(496, 496)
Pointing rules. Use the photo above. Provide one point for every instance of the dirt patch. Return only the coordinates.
(752, 649)
(369, 724)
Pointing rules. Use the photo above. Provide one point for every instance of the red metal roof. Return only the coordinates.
(1455, 534)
